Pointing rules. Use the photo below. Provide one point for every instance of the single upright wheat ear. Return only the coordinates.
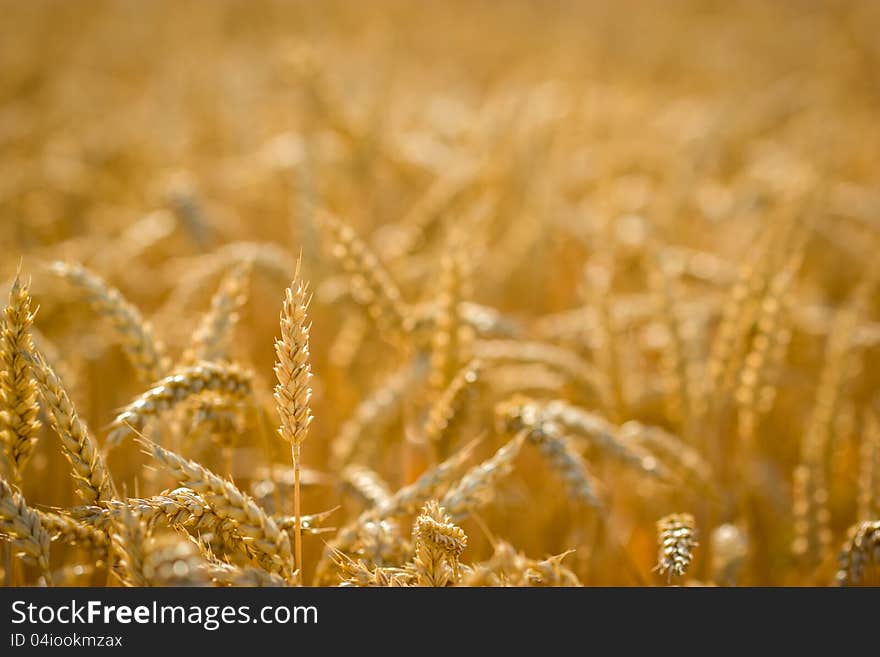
(22, 527)
(143, 349)
(676, 540)
(19, 425)
(293, 392)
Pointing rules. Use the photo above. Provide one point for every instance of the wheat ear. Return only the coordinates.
(128, 535)
(174, 560)
(405, 500)
(142, 347)
(861, 548)
(476, 487)
(227, 501)
(293, 392)
(439, 544)
(93, 480)
(452, 336)
(558, 359)
(225, 380)
(19, 425)
(22, 527)
(211, 338)
(676, 540)
(365, 484)
(373, 285)
(557, 449)
(71, 531)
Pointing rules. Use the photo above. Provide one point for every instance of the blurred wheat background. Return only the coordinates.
(631, 245)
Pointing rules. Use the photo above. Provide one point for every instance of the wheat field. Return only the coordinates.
(439, 294)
